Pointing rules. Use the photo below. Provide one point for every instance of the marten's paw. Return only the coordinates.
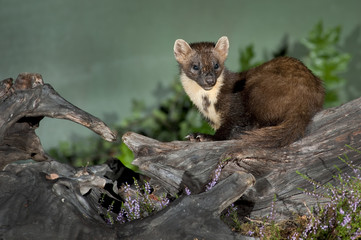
(199, 137)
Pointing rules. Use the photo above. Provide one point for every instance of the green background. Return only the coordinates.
(100, 55)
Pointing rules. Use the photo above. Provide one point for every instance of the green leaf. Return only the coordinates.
(127, 157)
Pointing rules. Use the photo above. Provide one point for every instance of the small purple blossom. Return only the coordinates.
(295, 236)
(356, 235)
(164, 202)
(147, 188)
(231, 209)
(342, 211)
(354, 203)
(110, 207)
(261, 233)
(217, 174)
(126, 187)
(109, 220)
(324, 227)
(120, 217)
(346, 220)
(272, 214)
(307, 229)
(188, 192)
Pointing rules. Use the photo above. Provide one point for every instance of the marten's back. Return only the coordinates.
(282, 92)
(282, 89)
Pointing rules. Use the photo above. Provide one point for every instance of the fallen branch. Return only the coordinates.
(23, 104)
(174, 165)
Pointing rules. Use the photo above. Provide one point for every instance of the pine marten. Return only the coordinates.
(269, 105)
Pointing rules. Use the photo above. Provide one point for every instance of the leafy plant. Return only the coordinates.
(126, 157)
(246, 58)
(327, 61)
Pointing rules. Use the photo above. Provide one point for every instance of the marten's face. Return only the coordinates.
(202, 62)
(203, 67)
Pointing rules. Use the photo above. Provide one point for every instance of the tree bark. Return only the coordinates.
(174, 165)
(23, 104)
(37, 205)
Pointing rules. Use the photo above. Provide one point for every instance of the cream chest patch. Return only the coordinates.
(204, 100)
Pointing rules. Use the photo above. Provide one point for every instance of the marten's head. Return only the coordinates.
(202, 62)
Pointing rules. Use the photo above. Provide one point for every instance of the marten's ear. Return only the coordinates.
(222, 48)
(181, 50)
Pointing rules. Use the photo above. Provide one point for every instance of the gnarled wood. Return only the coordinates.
(50, 200)
(23, 103)
(174, 165)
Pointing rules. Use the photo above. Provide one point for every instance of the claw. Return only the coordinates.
(192, 137)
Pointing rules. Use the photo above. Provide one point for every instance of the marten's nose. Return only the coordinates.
(210, 80)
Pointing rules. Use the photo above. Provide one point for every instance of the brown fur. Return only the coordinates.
(270, 105)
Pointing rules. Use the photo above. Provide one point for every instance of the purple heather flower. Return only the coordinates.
(354, 202)
(342, 211)
(132, 209)
(356, 235)
(110, 208)
(136, 209)
(231, 209)
(188, 192)
(324, 227)
(294, 236)
(109, 220)
(215, 179)
(164, 202)
(346, 220)
(261, 231)
(137, 187)
(120, 217)
(250, 233)
(308, 229)
(127, 187)
(147, 188)
(272, 214)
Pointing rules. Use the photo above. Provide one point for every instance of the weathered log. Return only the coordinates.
(52, 200)
(23, 103)
(194, 216)
(35, 204)
(174, 165)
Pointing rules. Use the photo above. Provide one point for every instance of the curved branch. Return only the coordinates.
(23, 104)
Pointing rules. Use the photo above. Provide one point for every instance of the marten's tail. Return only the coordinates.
(276, 136)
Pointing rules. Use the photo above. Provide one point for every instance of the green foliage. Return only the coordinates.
(87, 151)
(246, 58)
(327, 61)
(172, 119)
(126, 157)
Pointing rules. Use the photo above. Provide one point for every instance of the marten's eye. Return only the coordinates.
(216, 66)
(195, 67)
